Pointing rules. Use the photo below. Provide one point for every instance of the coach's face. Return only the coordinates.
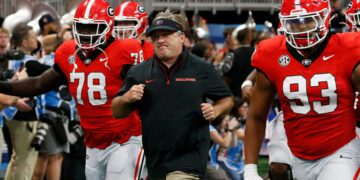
(168, 44)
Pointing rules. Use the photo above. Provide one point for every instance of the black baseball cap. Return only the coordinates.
(45, 19)
(164, 24)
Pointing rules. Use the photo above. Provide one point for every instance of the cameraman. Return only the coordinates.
(52, 143)
(22, 125)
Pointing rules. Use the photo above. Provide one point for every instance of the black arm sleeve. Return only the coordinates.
(32, 86)
(63, 77)
(34, 68)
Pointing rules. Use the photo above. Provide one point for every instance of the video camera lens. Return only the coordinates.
(40, 136)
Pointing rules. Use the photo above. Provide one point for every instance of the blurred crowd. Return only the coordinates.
(42, 133)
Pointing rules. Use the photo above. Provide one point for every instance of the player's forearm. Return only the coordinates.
(223, 106)
(261, 100)
(25, 88)
(254, 135)
(32, 86)
(120, 108)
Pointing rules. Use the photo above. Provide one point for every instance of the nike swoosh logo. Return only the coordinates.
(325, 58)
(149, 81)
(103, 59)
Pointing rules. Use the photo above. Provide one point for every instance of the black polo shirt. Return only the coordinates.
(175, 135)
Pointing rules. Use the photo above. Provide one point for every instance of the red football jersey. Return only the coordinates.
(317, 100)
(148, 50)
(95, 84)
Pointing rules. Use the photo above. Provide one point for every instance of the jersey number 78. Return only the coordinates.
(92, 88)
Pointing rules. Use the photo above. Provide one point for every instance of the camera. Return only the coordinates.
(12, 55)
(46, 120)
(75, 134)
(6, 74)
(41, 133)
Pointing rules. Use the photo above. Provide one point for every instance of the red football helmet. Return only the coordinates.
(280, 30)
(130, 20)
(352, 13)
(93, 23)
(305, 22)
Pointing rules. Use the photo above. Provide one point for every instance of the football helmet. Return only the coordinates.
(280, 30)
(352, 13)
(305, 22)
(93, 23)
(130, 20)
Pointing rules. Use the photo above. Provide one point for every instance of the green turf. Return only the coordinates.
(263, 166)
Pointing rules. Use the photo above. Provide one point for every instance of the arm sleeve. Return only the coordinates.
(34, 68)
(215, 87)
(57, 69)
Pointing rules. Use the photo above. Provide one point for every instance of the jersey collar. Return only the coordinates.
(313, 56)
(95, 53)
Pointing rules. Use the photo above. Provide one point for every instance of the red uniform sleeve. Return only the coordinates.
(259, 60)
(352, 41)
(130, 51)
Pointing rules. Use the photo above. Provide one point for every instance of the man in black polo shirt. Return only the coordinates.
(169, 92)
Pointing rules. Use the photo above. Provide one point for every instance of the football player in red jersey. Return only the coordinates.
(315, 74)
(92, 66)
(352, 13)
(131, 22)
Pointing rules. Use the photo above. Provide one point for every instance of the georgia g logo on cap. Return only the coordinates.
(159, 22)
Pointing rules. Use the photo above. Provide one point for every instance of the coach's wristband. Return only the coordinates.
(246, 83)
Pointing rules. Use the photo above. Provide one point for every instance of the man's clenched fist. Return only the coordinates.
(208, 111)
(135, 93)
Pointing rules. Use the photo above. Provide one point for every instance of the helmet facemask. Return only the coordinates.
(89, 35)
(126, 28)
(354, 19)
(305, 30)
